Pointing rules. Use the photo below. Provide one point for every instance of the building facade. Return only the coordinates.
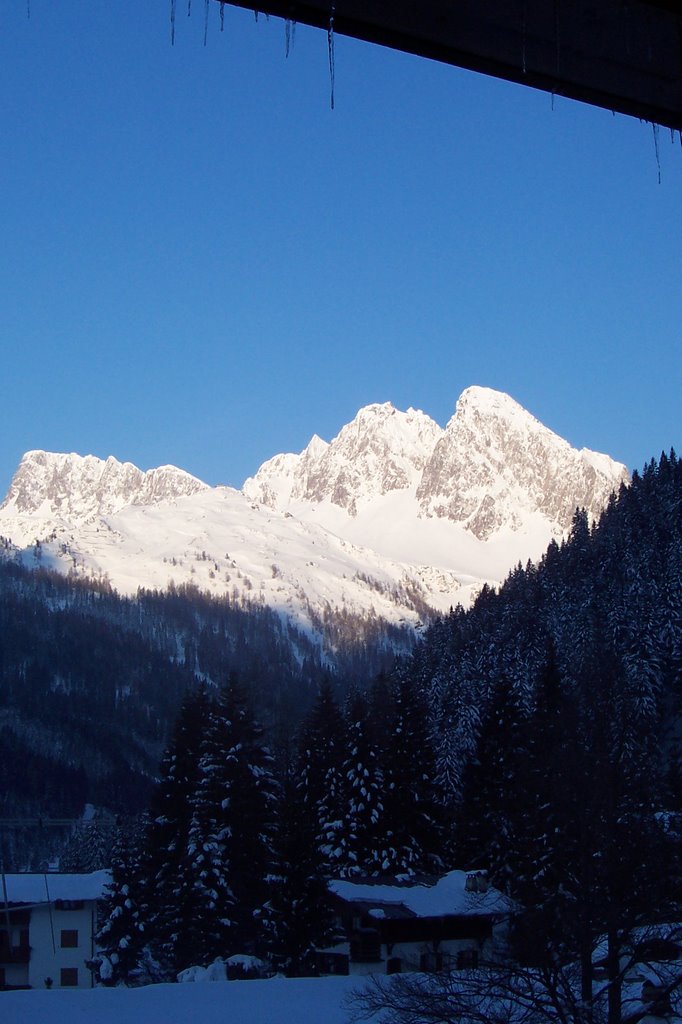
(448, 923)
(48, 924)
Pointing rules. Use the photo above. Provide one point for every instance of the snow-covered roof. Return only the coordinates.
(46, 888)
(447, 896)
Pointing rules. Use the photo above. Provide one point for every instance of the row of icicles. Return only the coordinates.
(289, 32)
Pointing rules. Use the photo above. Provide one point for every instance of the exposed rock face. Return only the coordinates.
(493, 468)
(381, 450)
(54, 484)
(496, 465)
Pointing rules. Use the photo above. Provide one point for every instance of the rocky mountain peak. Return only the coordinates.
(496, 466)
(47, 483)
(380, 450)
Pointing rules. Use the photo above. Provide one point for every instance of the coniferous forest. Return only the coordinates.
(92, 682)
(536, 736)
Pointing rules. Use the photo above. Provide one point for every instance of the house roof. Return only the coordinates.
(446, 897)
(48, 887)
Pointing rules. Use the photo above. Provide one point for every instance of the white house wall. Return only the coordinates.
(48, 957)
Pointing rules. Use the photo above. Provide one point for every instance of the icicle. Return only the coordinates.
(523, 36)
(28, 9)
(289, 35)
(330, 46)
(658, 155)
(206, 3)
(222, 15)
(172, 20)
(189, 8)
(255, 14)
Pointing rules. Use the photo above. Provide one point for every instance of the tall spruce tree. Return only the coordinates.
(171, 909)
(123, 938)
(229, 853)
(365, 842)
(412, 819)
(491, 780)
(298, 915)
(322, 748)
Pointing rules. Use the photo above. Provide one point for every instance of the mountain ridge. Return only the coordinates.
(52, 482)
(395, 517)
(505, 463)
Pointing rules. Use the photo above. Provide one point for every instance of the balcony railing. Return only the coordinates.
(15, 954)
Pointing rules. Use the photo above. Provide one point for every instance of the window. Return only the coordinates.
(69, 938)
(68, 977)
(431, 962)
(467, 958)
(68, 904)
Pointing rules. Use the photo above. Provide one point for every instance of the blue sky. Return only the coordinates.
(203, 264)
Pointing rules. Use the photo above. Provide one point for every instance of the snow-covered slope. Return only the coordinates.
(491, 489)
(221, 542)
(392, 517)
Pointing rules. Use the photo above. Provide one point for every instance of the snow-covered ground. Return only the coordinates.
(276, 1001)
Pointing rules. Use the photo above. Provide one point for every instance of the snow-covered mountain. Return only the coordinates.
(164, 527)
(394, 516)
(490, 489)
(508, 467)
(72, 485)
(381, 450)
(492, 468)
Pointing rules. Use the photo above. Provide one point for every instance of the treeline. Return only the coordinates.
(606, 602)
(555, 709)
(91, 683)
(235, 853)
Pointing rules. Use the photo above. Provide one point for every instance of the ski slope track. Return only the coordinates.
(396, 518)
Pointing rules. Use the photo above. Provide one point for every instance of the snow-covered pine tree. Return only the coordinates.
(298, 915)
(122, 939)
(90, 847)
(540, 840)
(205, 885)
(411, 812)
(364, 844)
(169, 912)
(322, 748)
(490, 789)
(230, 836)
